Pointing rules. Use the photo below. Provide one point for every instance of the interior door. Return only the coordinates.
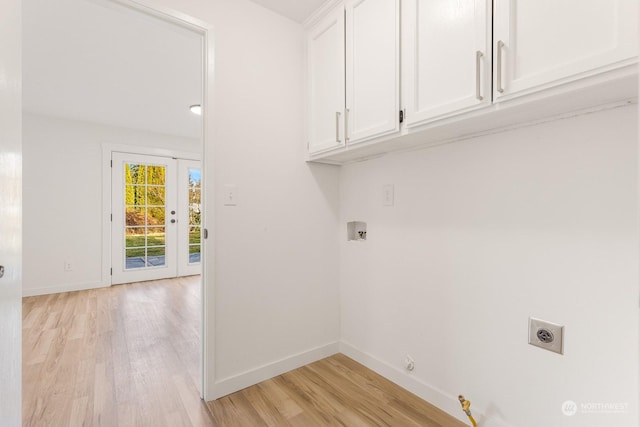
(190, 214)
(144, 218)
(10, 214)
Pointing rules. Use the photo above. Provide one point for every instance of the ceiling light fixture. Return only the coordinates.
(196, 109)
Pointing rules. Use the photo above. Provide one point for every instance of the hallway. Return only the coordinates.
(128, 355)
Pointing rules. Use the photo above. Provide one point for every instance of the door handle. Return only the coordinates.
(338, 126)
(479, 56)
(1, 271)
(173, 221)
(499, 66)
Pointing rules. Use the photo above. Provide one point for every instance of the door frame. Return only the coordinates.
(207, 314)
(11, 225)
(107, 152)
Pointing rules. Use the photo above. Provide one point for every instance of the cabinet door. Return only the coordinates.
(446, 57)
(373, 54)
(325, 74)
(543, 43)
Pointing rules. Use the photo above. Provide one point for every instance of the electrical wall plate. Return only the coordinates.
(387, 195)
(230, 195)
(546, 335)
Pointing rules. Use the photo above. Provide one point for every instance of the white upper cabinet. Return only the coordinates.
(325, 78)
(544, 43)
(373, 69)
(468, 67)
(446, 57)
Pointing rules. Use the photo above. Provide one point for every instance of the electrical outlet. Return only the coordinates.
(546, 335)
(68, 266)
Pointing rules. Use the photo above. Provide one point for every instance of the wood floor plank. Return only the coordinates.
(127, 415)
(236, 411)
(197, 412)
(265, 408)
(279, 399)
(79, 412)
(108, 357)
(368, 405)
(335, 391)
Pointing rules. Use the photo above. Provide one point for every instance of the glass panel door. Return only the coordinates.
(144, 218)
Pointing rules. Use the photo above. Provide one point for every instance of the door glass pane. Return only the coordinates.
(155, 236)
(155, 216)
(134, 174)
(134, 216)
(135, 237)
(130, 194)
(156, 175)
(195, 214)
(155, 196)
(145, 212)
(194, 245)
(194, 235)
(135, 258)
(156, 256)
(135, 180)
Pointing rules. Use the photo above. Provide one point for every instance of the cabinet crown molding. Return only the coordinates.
(321, 12)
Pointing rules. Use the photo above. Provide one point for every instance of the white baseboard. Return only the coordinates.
(433, 395)
(27, 292)
(238, 382)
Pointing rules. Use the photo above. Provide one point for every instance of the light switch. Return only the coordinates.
(230, 195)
(387, 195)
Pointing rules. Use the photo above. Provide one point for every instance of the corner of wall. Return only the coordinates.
(433, 395)
(246, 379)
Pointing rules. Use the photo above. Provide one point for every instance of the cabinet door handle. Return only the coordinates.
(338, 126)
(499, 66)
(346, 125)
(479, 56)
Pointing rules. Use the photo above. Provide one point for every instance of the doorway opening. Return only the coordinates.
(88, 87)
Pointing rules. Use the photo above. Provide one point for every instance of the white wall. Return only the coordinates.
(273, 258)
(540, 221)
(63, 202)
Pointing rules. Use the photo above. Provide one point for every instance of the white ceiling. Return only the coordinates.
(96, 61)
(298, 10)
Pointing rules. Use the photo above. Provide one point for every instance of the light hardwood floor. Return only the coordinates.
(129, 356)
(335, 391)
(116, 357)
